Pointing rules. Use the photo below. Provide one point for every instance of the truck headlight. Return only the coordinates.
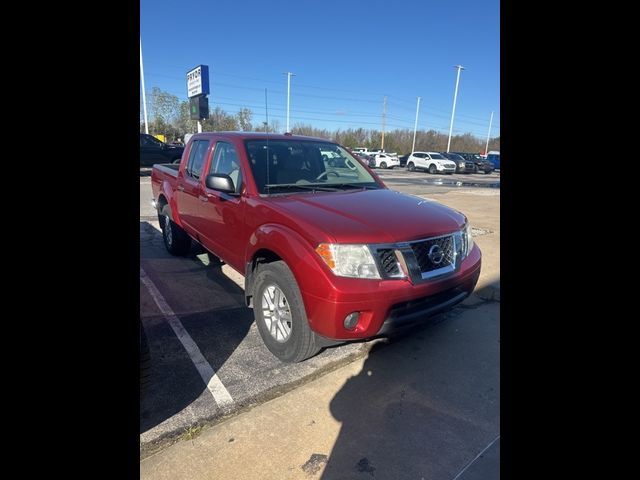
(349, 260)
(467, 240)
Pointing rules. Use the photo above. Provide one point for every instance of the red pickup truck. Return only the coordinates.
(328, 252)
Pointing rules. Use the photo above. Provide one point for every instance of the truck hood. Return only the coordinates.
(368, 216)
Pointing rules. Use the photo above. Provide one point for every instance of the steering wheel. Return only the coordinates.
(326, 173)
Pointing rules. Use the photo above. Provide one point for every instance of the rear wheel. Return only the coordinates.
(411, 167)
(280, 315)
(432, 169)
(176, 240)
(383, 164)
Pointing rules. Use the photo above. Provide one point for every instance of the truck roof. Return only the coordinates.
(257, 136)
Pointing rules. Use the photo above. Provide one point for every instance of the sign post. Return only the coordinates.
(197, 91)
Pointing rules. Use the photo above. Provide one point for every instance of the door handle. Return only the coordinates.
(203, 198)
(181, 188)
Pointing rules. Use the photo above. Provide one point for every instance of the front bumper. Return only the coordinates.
(385, 305)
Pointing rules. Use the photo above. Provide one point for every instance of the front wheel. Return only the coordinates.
(280, 316)
(432, 169)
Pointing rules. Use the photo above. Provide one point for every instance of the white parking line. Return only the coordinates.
(476, 457)
(215, 386)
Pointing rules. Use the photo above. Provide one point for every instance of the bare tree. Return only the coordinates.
(243, 118)
(165, 108)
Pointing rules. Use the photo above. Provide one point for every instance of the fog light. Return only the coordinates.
(351, 320)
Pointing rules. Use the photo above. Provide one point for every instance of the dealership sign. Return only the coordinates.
(198, 81)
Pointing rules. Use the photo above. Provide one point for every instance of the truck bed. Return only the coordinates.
(169, 168)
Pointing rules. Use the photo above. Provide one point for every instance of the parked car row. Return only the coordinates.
(432, 162)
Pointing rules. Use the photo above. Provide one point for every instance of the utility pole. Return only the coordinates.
(384, 119)
(486, 148)
(289, 75)
(455, 96)
(144, 97)
(415, 126)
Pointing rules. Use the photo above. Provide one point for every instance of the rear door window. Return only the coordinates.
(197, 158)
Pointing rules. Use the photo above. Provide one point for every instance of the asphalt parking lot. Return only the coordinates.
(209, 363)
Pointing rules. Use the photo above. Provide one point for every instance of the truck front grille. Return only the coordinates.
(389, 262)
(434, 253)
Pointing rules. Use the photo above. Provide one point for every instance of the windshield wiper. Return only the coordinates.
(303, 186)
(355, 185)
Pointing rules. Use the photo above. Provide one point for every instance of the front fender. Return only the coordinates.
(297, 253)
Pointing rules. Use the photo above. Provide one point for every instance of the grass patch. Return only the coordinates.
(191, 432)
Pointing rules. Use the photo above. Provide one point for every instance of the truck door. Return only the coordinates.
(222, 215)
(189, 188)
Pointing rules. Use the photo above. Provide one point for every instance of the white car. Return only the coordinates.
(386, 160)
(433, 162)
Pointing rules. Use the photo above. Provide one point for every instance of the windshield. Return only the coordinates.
(437, 156)
(301, 165)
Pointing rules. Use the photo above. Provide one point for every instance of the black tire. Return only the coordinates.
(145, 362)
(411, 167)
(383, 164)
(301, 341)
(475, 169)
(176, 240)
(432, 169)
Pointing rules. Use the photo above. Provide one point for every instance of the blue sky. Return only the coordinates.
(347, 55)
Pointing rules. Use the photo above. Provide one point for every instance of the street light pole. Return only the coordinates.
(486, 148)
(384, 120)
(415, 127)
(453, 112)
(144, 97)
(289, 75)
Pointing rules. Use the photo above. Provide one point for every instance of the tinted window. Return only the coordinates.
(197, 157)
(149, 141)
(437, 156)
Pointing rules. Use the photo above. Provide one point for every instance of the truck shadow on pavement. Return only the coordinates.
(425, 403)
(211, 308)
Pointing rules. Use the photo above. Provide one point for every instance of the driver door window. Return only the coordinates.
(225, 160)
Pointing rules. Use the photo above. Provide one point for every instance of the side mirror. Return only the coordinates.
(220, 182)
